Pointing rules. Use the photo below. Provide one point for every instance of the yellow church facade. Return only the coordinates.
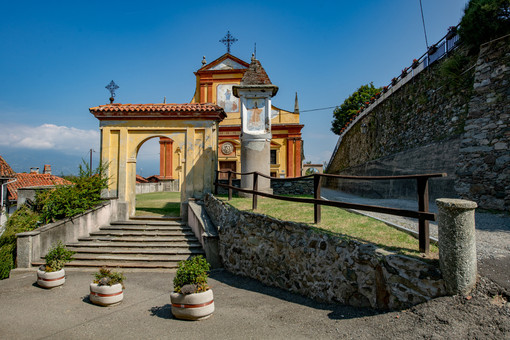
(214, 83)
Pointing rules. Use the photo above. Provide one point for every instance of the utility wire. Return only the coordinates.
(424, 30)
(324, 108)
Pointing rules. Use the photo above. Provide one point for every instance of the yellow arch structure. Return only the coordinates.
(192, 127)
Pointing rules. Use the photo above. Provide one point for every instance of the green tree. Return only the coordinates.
(70, 200)
(483, 21)
(343, 113)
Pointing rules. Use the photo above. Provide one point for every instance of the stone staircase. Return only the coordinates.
(137, 243)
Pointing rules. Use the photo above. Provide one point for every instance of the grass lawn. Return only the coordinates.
(158, 204)
(338, 221)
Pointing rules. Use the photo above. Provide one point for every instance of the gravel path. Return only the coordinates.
(492, 230)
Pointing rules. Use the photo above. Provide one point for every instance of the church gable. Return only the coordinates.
(225, 63)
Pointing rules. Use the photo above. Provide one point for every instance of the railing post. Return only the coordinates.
(317, 195)
(423, 205)
(255, 188)
(216, 183)
(229, 185)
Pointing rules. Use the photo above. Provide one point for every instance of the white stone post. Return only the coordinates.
(457, 244)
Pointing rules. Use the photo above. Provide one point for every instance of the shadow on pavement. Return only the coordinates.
(337, 311)
(163, 312)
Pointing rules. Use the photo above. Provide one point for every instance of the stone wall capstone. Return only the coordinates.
(323, 266)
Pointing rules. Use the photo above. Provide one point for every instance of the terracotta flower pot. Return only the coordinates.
(51, 279)
(198, 306)
(106, 295)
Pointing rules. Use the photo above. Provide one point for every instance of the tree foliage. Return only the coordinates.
(20, 221)
(343, 113)
(483, 21)
(70, 200)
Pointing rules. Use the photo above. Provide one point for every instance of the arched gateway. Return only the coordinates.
(193, 129)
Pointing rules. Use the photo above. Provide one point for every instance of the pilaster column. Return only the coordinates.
(297, 155)
(290, 157)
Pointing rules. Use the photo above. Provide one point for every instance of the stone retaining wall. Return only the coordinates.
(325, 267)
(290, 187)
(453, 117)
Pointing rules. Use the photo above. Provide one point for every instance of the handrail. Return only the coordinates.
(422, 214)
(374, 208)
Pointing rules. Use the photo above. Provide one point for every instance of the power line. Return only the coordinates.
(424, 30)
(324, 108)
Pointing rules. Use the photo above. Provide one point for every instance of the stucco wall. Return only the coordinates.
(325, 267)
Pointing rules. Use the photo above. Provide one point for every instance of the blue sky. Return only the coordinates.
(57, 57)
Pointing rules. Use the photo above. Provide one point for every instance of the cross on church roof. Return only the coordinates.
(112, 87)
(228, 40)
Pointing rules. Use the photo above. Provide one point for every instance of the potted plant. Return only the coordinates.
(192, 298)
(404, 72)
(52, 273)
(452, 32)
(415, 63)
(432, 49)
(107, 289)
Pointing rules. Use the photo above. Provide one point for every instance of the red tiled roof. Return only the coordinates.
(178, 111)
(25, 180)
(5, 170)
(140, 179)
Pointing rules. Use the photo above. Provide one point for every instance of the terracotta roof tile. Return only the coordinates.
(159, 111)
(194, 107)
(141, 179)
(24, 180)
(5, 170)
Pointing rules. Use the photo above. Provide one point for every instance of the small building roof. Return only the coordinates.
(141, 179)
(5, 170)
(163, 110)
(25, 180)
(255, 75)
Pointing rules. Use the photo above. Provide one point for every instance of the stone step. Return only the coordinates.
(131, 257)
(148, 244)
(146, 227)
(185, 249)
(181, 238)
(149, 223)
(124, 232)
(154, 218)
(117, 264)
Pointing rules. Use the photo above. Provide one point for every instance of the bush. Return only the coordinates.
(20, 221)
(192, 272)
(108, 277)
(70, 200)
(483, 21)
(57, 257)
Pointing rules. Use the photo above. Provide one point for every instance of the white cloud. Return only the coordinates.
(48, 137)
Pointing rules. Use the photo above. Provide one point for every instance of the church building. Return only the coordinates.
(214, 83)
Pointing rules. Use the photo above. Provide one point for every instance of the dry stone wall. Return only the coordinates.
(325, 267)
(483, 172)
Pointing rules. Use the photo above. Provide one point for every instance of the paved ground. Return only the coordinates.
(492, 232)
(245, 309)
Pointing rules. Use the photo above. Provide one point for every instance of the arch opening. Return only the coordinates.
(157, 178)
